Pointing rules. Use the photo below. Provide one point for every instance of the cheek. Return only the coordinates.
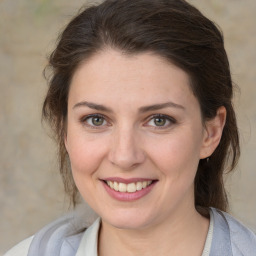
(177, 155)
(85, 154)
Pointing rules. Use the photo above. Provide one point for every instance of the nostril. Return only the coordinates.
(126, 159)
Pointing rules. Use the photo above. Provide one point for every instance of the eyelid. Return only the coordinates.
(83, 120)
(167, 117)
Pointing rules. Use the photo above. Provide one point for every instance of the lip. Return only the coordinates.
(126, 196)
(126, 181)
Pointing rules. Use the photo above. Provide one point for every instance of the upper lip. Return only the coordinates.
(127, 181)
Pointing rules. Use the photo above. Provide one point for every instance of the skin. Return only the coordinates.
(129, 143)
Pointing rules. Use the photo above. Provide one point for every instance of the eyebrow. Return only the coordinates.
(141, 109)
(160, 106)
(93, 106)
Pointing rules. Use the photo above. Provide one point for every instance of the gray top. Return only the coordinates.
(68, 237)
(89, 241)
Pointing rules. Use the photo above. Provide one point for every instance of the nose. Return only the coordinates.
(126, 151)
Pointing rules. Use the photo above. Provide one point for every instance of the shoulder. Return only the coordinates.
(242, 240)
(60, 237)
(20, 249)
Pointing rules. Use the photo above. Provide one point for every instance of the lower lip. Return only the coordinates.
(125, 196)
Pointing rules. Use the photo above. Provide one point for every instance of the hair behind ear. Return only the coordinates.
(209, 184)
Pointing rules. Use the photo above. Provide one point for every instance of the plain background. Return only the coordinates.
(31, 190)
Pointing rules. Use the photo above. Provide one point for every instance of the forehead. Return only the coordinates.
(146, 77)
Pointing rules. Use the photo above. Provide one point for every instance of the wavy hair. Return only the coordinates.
(174, 30)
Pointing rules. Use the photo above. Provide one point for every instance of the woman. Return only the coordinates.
(140, 100)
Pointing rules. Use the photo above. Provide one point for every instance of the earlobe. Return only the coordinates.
(213, 132)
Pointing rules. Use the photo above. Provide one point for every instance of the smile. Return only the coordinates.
(130, 187)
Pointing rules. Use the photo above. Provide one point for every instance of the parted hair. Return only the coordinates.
(172, 29)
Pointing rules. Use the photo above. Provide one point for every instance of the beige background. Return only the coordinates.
(31, 190)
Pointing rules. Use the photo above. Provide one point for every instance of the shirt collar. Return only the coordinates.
(89, 241)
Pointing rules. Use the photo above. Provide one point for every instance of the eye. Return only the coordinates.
(161, 121)
(95, 120)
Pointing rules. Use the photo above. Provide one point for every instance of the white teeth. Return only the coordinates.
(139, 186)
(116, 186)
(122, 187)
(111, 184)
(130, 188)
(144, 184)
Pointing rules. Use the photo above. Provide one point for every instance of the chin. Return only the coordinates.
(128, 219)
(129, 225)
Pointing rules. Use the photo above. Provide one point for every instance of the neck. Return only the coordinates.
(184, 234)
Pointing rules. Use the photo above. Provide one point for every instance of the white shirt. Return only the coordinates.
(89, 242)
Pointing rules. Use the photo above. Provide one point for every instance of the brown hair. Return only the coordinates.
(178, 32)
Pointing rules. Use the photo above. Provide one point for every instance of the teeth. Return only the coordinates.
(110, 183)
(139, 186)
(116, 186)
(130, 188)
(122, 187)
(144, 184)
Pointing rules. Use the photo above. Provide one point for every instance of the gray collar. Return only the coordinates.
(221, 242)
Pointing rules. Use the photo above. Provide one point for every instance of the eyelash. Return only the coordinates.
(84, 120)
(167, 118)
(171, 120)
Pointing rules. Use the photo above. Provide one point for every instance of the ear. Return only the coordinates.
(213, 132)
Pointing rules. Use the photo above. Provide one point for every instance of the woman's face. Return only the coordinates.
(134, 138)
